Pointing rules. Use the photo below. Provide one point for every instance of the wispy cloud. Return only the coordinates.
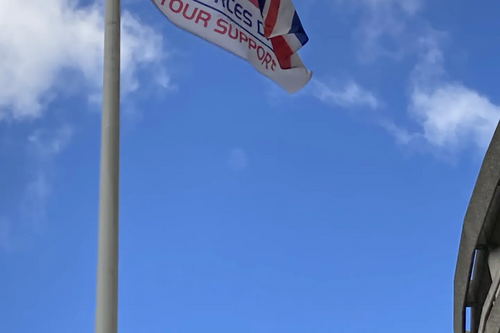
(46, 143)
(43, 39)
(448, 115)
(44, 146)
(348, 95)
(385, 28)
(55, 47)
(238, 159)
(29, 216)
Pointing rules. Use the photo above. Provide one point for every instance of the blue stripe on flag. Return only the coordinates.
(298, 29)
(262, 3)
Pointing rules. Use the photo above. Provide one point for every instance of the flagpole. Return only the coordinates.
(106, 320)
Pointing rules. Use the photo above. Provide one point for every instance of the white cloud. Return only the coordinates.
(348, 95)
(450, 114)
(238, 159)
(41, 39)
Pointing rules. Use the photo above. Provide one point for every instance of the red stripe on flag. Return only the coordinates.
(255, 3)
(283, 51)
(272, 17)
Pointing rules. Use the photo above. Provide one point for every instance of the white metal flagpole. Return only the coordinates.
(106, 320)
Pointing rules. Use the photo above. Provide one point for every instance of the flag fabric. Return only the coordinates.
(284, 29)
(266, 33)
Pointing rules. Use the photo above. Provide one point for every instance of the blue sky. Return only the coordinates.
(245, 209)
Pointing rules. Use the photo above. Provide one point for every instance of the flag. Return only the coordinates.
(266, 33)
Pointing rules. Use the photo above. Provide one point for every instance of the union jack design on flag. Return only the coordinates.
(283, 28)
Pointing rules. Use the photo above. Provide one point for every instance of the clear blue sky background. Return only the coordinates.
(244, 209)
